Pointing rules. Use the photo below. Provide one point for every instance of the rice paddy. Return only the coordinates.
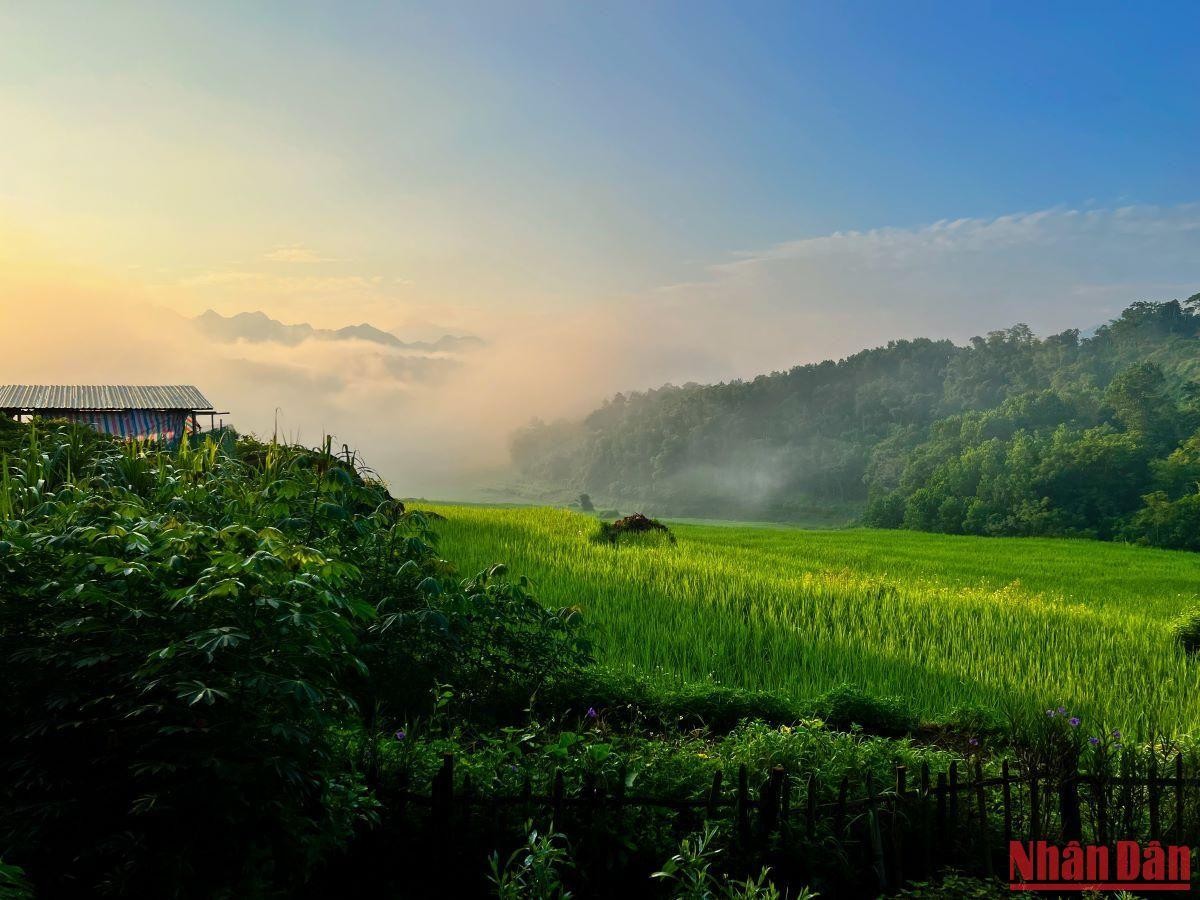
(942, 621)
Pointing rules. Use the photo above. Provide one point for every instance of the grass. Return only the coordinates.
(940, 621)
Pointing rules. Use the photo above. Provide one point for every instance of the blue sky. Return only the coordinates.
(663, 134)
(630, 193)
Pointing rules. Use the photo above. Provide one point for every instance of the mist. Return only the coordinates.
(438, 423)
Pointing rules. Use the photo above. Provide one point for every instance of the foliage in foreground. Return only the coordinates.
(184, 633)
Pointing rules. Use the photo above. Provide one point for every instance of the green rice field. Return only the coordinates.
(942, 621)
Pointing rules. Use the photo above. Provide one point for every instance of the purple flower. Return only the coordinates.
(1093, 741)
(1116, 734)
(401, 735)
(1050, 713)
(974, 742)
(591, 713)
(1073, 721)
(1062, 710)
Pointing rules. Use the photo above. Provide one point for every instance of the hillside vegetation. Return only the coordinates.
(941, 622)
(1011, 435)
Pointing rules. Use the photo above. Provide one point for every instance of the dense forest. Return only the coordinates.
(1013, 434)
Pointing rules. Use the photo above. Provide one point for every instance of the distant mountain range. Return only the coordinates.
(259, 327)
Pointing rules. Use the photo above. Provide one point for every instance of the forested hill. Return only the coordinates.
(1013, 434)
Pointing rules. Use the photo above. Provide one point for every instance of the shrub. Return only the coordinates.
(1186, 630)
(847, 706)
(190, 637)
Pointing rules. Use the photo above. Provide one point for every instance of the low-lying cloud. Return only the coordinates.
(435, 418)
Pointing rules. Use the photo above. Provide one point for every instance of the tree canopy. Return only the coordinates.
(1011, 434)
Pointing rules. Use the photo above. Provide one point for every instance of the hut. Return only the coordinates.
(134, 411)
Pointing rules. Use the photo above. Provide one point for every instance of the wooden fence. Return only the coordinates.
(910, 828)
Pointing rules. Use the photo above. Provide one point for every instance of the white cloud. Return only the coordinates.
(833, 294)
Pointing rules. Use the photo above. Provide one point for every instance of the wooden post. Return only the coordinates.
(898, 810)
(785, 807)
(878, 862)
(810, 812)
(926, 823)
(768, 810)
(1100, 787)
(1153, 785)
(981, 803)
(743, 805)
(1006, 786)
(953, 836)
(714, 796)
(1035, 813)
(622, 777)
(941, 810)
(1068, 798)
(1179, 798)
(839, 816)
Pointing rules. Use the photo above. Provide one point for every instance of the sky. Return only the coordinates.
(611, 196)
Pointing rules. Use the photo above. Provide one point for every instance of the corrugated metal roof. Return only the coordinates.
(102, 396)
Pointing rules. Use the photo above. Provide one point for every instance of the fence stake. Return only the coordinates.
(1154, 798)
(768, 811)
(839, 818)
(1100, 789)
(1068, 797)
(743, 804)
(810, 815)
(1007, 795)
(880, 864)
(785, 807)
(941, 809)
(1179, 798)
(953, 801)
(926, 836)
(898, 811)
(981, 802)
(714, 795)
(1035, 813)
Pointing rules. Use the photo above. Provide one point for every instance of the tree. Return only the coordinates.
(585, 503)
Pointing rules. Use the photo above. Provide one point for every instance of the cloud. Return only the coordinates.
(833, 294)
(434, 419)
(296, 253)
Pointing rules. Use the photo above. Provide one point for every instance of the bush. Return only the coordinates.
(635, 701)
(172, 679)
(847, 706)
(1186, 630)
(191, 642)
